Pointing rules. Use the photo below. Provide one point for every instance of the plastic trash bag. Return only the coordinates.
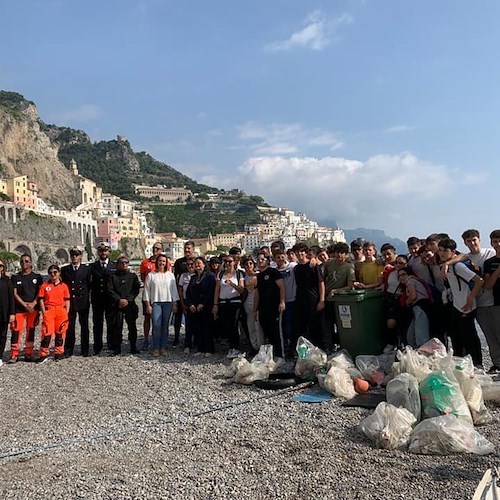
(342, 359)
(235, 365)
(441, 395)
(411, 361)
(389, 427)
(447, 434)
(386, 360)
(338, 382)
(433, 347)
(258, 369)
(370, 368)
(402, 392)
(471, 389)
(491, 392)
(311, 359)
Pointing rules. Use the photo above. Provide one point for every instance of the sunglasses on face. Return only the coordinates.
(53, 273)
(26, 261)
(157, 248)
(123, 262)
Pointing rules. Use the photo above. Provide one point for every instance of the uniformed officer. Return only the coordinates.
(77, 277)
(100, 272)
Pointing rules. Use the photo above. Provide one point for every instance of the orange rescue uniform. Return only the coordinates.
(55, 319)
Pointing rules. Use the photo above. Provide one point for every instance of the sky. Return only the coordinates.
(380, 114)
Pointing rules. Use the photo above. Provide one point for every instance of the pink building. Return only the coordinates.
(108, 230)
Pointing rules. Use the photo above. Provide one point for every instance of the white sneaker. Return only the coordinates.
(187, 350)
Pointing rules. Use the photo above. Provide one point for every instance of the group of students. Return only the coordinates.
(273, 297)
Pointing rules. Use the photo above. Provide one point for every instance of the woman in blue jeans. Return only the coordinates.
(160, 296)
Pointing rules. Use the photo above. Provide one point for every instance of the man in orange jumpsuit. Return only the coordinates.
(26, 286)
(54, 299)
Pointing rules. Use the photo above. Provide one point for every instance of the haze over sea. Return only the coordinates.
(378, 114)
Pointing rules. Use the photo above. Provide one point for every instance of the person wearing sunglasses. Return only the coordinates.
(148, 265)
(26, 287)
(54, 298)
(7, 307)
(229, 288)
(123, 288)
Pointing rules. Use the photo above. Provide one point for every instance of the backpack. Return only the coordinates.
(473, 267)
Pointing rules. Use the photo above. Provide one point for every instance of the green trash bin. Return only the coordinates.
(360, 319)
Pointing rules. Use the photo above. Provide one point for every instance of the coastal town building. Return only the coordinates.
(173, 195)
(106, 217)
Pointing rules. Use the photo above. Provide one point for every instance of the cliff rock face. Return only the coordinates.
(25, 149)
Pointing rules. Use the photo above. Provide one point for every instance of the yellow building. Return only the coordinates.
(129, 227)
(20, 191)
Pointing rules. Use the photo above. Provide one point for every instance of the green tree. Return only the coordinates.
(114, 254)
(88, 248)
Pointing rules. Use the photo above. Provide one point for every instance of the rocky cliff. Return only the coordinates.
(25, 149)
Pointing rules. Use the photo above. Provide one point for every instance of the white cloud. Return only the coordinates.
(285, 138)
(82, 114)
(384, 191)
(317, 33)
(398, 128)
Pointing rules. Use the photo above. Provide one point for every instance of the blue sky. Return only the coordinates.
(372, 113)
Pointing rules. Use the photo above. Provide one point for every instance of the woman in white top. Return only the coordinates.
(227, 303)
(160, 296)
(255, 333)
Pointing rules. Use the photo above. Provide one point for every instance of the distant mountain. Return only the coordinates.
(115, 166)
(377, 236)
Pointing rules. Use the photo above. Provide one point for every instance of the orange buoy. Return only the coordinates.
(361, 385)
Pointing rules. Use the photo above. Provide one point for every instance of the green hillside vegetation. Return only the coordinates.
(108, 163)
(190, 221)
(14, 103)
(115, 167)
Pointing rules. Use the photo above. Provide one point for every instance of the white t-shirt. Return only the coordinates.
(160, 287)
(460, 289)
(484, 297)
(228, 291)
(289, 278)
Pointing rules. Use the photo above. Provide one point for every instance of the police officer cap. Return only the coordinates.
(75, 251)
(104, 245)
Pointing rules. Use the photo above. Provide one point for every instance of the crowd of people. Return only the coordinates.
(232, 300)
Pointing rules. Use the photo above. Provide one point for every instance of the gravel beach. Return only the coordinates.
(131, 427)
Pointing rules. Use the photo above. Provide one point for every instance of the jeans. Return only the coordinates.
(161, 319)
(418, 332)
